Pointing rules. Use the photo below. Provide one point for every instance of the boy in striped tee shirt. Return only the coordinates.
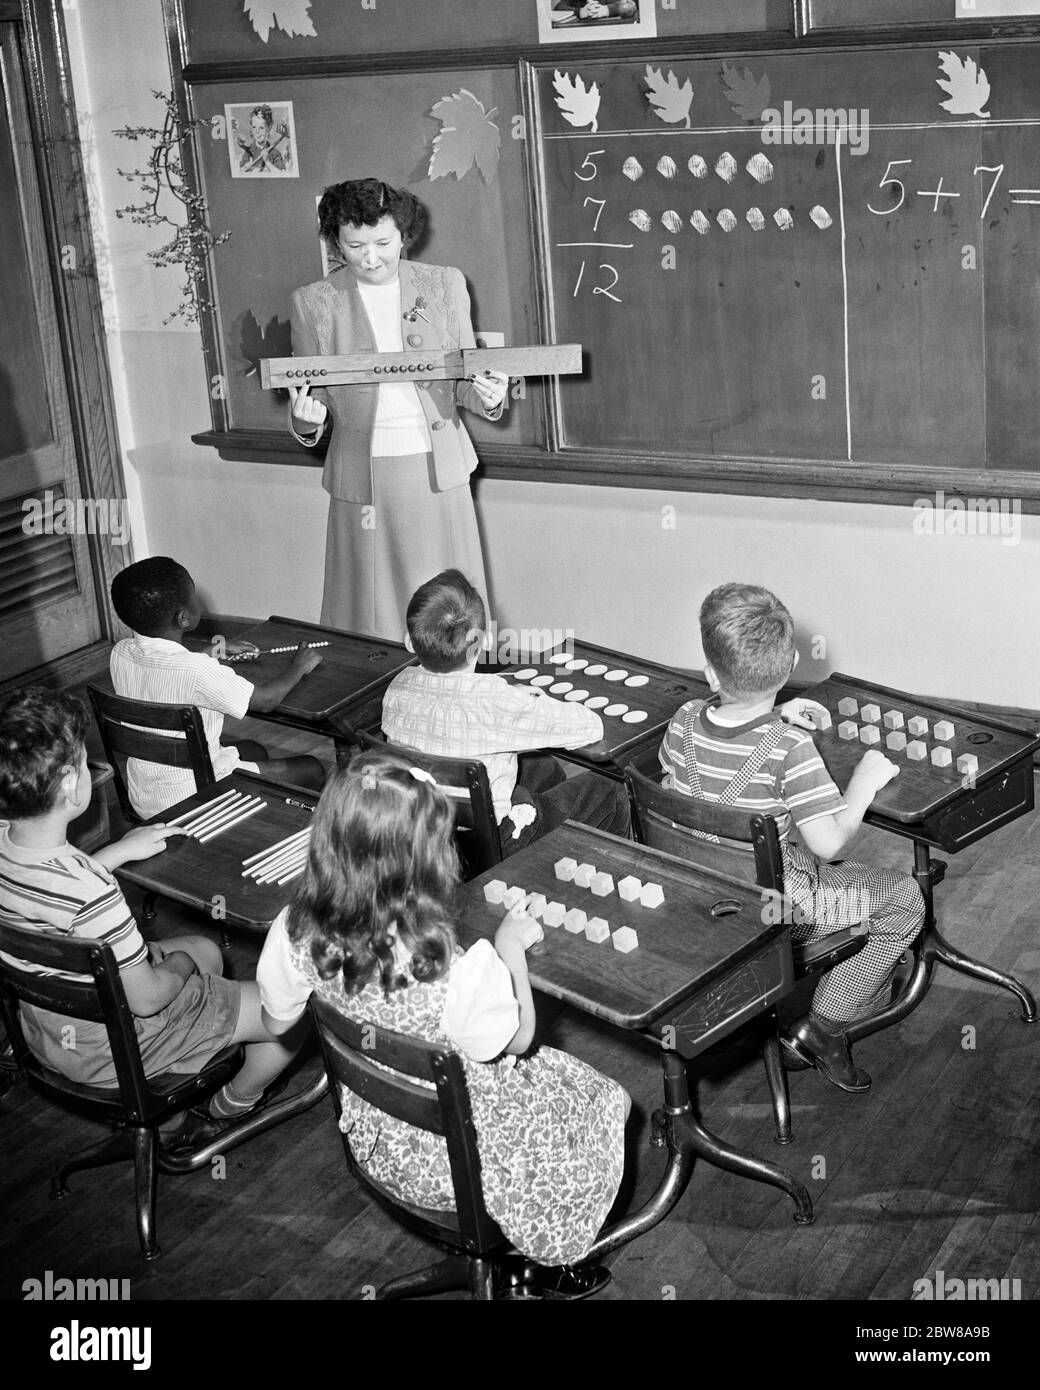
(736, 748)
(185, 1012)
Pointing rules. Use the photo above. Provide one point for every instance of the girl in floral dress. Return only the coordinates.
(370, 930)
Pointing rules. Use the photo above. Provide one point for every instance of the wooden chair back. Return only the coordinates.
(357, 1056)
(156, 733)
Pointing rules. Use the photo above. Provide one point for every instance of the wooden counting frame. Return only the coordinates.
(432, 364)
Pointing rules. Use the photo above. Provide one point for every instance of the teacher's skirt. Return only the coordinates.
(377, 555)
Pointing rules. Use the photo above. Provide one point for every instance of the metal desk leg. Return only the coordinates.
(688, 1140)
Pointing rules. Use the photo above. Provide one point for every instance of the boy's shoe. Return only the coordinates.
(201, 1128)
(552, 1283)
(821, 1043)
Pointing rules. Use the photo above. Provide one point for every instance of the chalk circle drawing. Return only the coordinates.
(821, 217)
(640, 219)
(669, 98)
(632, 169)
(468, 137)
(783, 219)
(726, 220)
(261, 140)
(666, 167)
(579, 105)
(697, 166)
(759, 167)
(726, 167)
(699, 222)
(755, 219)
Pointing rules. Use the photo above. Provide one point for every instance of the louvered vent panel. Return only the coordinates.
(34, 569)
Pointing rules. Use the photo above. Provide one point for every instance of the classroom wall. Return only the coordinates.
(943, 615)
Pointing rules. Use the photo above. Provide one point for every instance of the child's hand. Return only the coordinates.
(518, 930)
(799, 712)
(304, 660)
(491, 388)
(306, 410)
(146, 840)
(238, 646)
(878, 769)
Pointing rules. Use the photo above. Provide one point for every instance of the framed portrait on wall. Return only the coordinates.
(262, 140)
(575, 21)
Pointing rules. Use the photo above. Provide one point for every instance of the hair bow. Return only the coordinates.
(421, 775)
(368, 780)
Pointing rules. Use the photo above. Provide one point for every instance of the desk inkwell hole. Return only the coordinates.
(980, 736)
(725, 907)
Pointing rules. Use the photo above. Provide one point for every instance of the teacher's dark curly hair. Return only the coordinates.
(382, 866)
(364, 203)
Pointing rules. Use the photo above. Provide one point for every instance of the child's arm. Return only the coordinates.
(268, 695)
(516, 933)
(149, 988)
(140, 843)
(827, 836)
(530, 720)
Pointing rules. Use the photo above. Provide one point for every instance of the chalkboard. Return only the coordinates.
(356, 127)
(872, 300)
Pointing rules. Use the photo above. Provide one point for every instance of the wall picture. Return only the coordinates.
(262, 140)
(575, 21)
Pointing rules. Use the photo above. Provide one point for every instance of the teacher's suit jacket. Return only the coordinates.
(328, 319)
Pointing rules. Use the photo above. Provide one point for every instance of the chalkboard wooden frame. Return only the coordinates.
(863, 482)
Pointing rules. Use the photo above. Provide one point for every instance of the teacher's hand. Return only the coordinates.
(491, 388)
(306, 410)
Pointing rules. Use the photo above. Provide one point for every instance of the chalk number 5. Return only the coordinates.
(588, 163)
(883, 212)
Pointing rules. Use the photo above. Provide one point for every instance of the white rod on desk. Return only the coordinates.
(271, 849)
(204, 809)
(232, 809)
(227, 825)
(205, 821)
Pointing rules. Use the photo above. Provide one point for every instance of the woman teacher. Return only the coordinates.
(399, 458)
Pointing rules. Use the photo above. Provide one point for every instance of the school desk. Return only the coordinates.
(209, 875)
(703, 963)
(635, 698)
(961, 776)
(354, 672)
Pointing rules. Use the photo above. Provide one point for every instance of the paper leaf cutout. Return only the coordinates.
(256, 342)
(467, 136)
(747, 95)
(291, 16)
(579, 105)
(670, 99)
(967, 85)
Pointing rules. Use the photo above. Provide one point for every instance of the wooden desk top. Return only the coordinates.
(921, 789)
(682, 947)
(198, 874)
(353, 667)
(624, 684)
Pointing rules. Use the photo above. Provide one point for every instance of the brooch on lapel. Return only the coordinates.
(416, 311)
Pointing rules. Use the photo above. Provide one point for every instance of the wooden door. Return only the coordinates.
(48, 598)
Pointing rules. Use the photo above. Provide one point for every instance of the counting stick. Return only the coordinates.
(271, 871)
(271, 849)
(196, 810)
(204, 821)
(295, 874)
(226, 813)
(227, 825)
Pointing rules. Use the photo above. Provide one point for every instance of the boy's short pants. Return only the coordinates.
(181, 1038)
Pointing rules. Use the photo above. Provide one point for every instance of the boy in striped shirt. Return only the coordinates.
(737, 749)
(185, 1012)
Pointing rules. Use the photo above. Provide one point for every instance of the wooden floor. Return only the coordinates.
(935, 1169)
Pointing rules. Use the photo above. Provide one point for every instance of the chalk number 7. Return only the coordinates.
(883, 212)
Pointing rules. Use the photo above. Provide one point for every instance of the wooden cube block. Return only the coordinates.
(576, 920)
(848, 706)
(537, 905)
(494, 891)
(894, 719)
(511, 897)
(917, 751)
(821, 719)
(917, 726)
(941, 757)
(652, 895)
(871, 714)
(943, 730)
(968, 764)
(602, 885)
(625, 940)
(553, 915)
(629, 889)
(896, 741)
(564, 869)
(598, 929)
(583, 875)
(870, 733)
(847, 729)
